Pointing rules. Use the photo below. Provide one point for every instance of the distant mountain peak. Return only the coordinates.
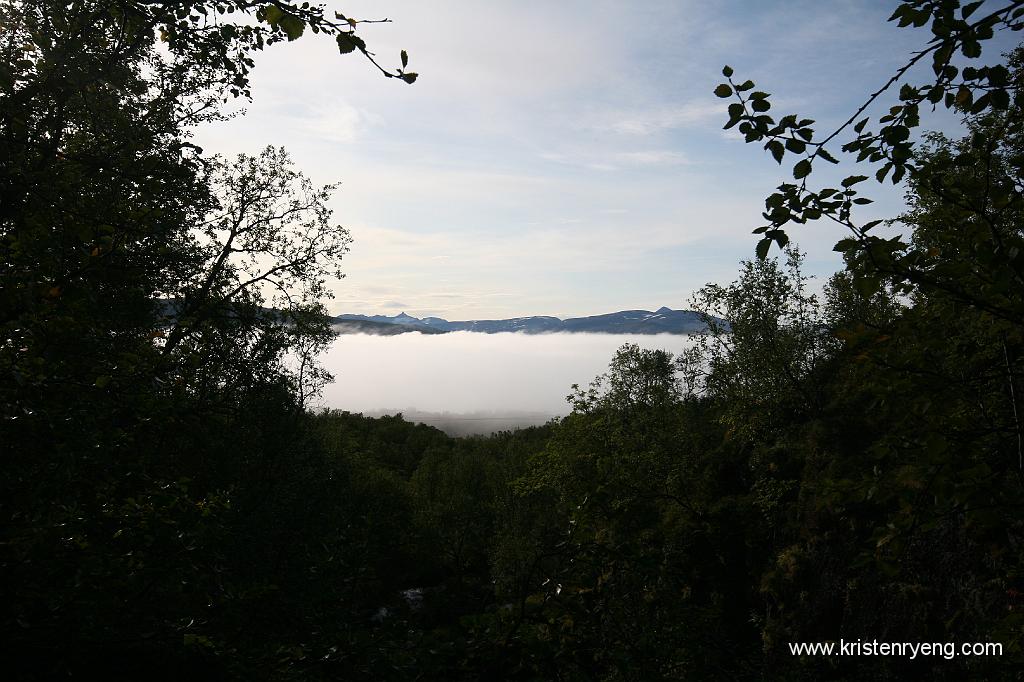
(664, 321)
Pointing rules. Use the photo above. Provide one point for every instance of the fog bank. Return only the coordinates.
(500, 375)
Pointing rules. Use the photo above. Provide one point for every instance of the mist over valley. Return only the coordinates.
(467, 382)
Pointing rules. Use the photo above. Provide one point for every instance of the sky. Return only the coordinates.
(563, 158)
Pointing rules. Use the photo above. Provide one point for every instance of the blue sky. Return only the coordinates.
(558, 158)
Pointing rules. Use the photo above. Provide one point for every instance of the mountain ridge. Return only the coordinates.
(662, 321)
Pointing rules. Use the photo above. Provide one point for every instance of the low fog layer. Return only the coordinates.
(517, 378)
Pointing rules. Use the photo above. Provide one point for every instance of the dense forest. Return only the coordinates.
(816, 467)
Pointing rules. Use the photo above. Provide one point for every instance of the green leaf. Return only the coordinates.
(867, 286)
(780, 237)
(273, 14)
(292, 26)
(802, 169)
(410, 78)
(348, 42)
(762, 248)
(968, 10)
(1000, 99)
(405, 59)
(760, 105)
(853, 180)
(824, 153)
(964, 96)
(723, 90)
(727, 72)
(777, 150)
(844, 245)
(896, 133)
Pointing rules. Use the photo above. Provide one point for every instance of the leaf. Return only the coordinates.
(727, 71)
(762, 248)
(796, 146)
(410, 78)
(844, 245)
(405, 59)
(980, 104)
(968, 10)
(292, 26)
(723, 90)
(824, 153)
(273, 14)
(853, 180)
(348, 42)
(780, 237)
(896, 133)
(964, 96)
(802, 169)
(1000, 99)
(777, 150)
(867, 286)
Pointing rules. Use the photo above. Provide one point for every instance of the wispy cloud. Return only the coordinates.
(654, 157)
(560, 158)
(657, 120)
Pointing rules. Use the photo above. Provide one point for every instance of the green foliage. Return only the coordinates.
(958, 32)
(809, 469)
(160, 315)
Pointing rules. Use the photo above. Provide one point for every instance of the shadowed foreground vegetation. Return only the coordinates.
(814, 468)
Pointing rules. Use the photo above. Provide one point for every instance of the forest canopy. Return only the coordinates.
(843, 465)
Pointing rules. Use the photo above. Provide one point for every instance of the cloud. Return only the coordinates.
(608, 161)
(654, 157)
(658, 120)
(337, 121)
(459, 190)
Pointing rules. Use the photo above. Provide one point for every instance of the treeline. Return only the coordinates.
(849, 466)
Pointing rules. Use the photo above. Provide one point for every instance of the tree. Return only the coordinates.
(958, 32)
(914, 460)
(267, 252)
(148, 304)
(766, 341)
